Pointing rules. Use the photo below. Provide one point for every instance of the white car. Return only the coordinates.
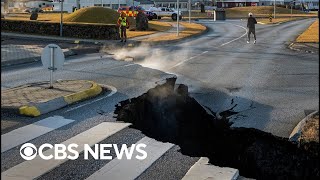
(165, 12)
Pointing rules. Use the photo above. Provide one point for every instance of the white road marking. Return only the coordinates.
(29, 132)
(113, 91)
(238, 37)
(201, 170)
(37, 167)
(130, 169)
(184, 61)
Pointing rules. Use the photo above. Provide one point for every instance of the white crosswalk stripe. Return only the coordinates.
(201, 170)
(37, 167)
(29, 132)
(125, 169)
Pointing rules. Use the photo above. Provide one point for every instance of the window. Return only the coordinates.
(163, 9)
(106, 5)
(97, 4)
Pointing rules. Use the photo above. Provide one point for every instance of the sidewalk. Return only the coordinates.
(36, 99)
(19, 54)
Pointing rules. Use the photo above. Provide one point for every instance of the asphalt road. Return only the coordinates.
(272, 86)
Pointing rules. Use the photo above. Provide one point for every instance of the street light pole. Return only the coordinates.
(189, 11)
(274, 9)
(177, 17)
(291, 7)
(61, 17)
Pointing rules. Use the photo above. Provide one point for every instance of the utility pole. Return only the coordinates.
(177, 17)
(61, 16)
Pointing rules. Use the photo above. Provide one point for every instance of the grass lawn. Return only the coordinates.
(190, 29)
(311, 35)
(154, 26)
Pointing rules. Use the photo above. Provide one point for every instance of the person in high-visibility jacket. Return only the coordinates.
(123, 23)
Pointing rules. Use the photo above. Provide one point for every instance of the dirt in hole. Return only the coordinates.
(166, 113)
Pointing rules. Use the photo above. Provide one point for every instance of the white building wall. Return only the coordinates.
(69, 4)
(271, 2)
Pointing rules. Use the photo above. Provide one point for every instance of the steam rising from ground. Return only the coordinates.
(153, 57)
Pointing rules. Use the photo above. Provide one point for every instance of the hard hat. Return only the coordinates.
(250, 14)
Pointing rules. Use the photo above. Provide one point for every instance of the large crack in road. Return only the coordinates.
(168, 114)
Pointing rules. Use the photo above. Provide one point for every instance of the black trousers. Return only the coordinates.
(123, 32)
(253, 31)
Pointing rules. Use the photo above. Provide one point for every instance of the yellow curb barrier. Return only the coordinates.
(35, 111)
(29, 111)
(93, 91)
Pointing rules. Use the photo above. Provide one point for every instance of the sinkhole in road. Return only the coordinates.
(168, 114)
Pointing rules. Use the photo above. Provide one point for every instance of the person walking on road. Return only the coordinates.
(251, 26)
(123, 23)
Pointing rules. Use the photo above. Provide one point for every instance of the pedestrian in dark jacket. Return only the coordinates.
(251, 26)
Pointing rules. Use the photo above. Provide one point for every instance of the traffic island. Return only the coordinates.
(37, 98)
(168, 114)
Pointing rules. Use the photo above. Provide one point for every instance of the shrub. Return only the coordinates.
(78, 30)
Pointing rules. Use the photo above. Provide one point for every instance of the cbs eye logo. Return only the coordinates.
(28, 151)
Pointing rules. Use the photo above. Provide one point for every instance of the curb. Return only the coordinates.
(30, 60)
(136, 43)
(38, 109)
(296, 133)
(278, 23)
(291, 46)
(179, 40)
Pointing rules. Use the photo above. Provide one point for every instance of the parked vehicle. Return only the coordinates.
(150, 15)
(165, 12)
(131, 11)
(30, 10)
